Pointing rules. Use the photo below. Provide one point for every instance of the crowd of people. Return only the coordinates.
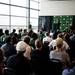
(42, 53)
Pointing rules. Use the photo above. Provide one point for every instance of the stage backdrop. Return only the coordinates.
(48, 22)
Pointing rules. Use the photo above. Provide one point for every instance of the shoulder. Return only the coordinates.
(11, 57)
(28, 48)
(3, 45)
(65, 72)
(52, 52)
(11, 61)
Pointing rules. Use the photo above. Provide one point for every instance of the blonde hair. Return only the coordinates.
(59, 42)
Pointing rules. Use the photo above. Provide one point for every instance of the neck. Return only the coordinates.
(59, 49)
(39, 48)
(27, 55)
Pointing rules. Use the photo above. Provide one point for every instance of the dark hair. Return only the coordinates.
(7, 32)
(27, 39)
(1, 32)
(34, 36)
(14, 30)
(47, 33)
(38, 43)
(14, 40)
(25, 30)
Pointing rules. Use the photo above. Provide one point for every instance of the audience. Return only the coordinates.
(30, 53)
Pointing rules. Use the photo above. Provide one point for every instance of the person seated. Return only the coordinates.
(8, 48)
(39, 59)
(20, 63)
(3, 37)
(59, 53)
(53, 43)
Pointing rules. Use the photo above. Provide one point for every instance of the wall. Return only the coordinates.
(51, 8)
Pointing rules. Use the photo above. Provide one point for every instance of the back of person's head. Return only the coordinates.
(14, 30)
(47, 33)
(30, 26)
(14, 40)
(7, 32)
(34, 36)
(27, 39)
(1, 32)
(25, 30)
(30, 33)
(59, 42)
(38, 43)
(8, 39)
(21, 46)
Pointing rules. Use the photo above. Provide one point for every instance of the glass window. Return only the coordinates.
(33, 4)
(33, 13)
(4, 20)
(19, 2)
(34, 22)
(4, 9)
(18, 21)
(35, 0)
(4, 1)
(18, 11)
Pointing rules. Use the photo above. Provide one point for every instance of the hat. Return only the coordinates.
(21, 46)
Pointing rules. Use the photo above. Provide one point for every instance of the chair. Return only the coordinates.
(55, 67)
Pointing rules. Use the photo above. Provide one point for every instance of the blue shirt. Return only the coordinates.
(69, 71)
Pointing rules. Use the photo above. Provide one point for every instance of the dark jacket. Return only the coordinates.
(40, 63)
(19, 64)
(8, 50)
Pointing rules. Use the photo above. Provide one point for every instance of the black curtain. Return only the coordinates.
(45, 22)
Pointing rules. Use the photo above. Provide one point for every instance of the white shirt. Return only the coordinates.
(53, 44)
(47, 39)
(62, 56)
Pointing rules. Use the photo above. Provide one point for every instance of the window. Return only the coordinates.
(4, 20)
(19, 2)
(18, 11)
(4, 9)
(34, 22)
(33, 4)
(4, 1)
(18, 21)
(33, 13)
(15, 14)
